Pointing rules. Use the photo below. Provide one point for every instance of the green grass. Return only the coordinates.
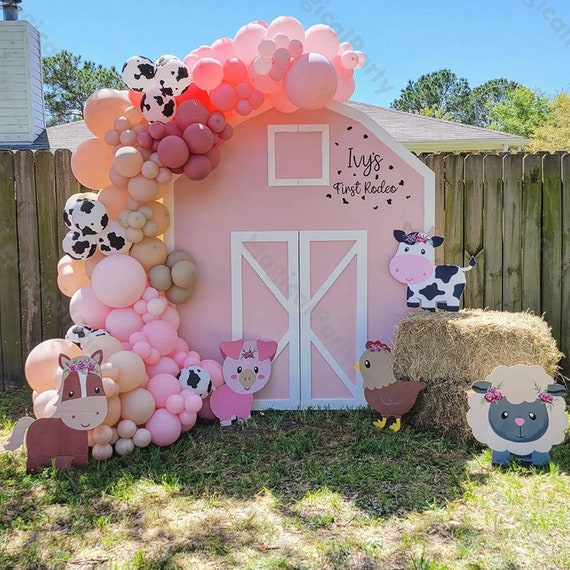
(289, 490)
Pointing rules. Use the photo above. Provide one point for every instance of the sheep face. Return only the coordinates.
(523, 422)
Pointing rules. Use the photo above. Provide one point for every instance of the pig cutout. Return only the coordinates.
(246, 370)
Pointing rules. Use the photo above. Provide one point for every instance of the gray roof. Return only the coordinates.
(416, 132)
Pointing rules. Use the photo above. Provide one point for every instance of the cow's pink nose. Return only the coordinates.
(519, 421)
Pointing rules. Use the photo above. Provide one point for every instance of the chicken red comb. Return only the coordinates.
(377, 346)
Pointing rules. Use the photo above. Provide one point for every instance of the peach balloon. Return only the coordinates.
(137, 405)
(102, 108)
(149, 252)
(102, 451)
(44, 404)
(108, 370)
(72, 277)
(128, 161)
(114, 411)
(43, 362)
(91, 262)
(110, 387)
(143, 189)
(118, 281)
(91, 162)
(131, 370)
(114, 199)
(107, 343)
(142, 438)
(159, 216)
(102, 434)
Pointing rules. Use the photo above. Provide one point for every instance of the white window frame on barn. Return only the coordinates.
(273, 130)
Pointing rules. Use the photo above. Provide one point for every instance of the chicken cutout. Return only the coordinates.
(390, 397)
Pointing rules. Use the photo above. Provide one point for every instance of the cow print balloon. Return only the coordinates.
(78, 334)
(89, 217)
(196, 379)
(157, 107)
(78, 246)
(172, 76)
(71, 203)
(114, 239)
(138, 73)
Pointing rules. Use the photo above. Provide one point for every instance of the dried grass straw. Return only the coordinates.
(450, 351)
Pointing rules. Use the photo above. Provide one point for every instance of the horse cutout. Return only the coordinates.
(81, 405)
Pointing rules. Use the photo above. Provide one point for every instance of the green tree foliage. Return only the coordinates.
(554, 133)
(443, 95)
(521, 112)
(68, 82)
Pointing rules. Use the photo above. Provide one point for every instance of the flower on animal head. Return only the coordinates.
(248, 353)
(545, 397)
(417, 237)
(377, 346)
(493, 395)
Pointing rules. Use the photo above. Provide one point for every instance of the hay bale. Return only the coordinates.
(450, 351)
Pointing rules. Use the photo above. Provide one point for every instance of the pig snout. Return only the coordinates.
(247, 378)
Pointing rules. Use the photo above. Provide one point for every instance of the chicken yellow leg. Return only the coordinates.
(380, 423)
(396, 425)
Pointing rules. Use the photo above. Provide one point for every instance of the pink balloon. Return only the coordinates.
(227, 133)
(243, 107)
(191, 111)
(206, 411)
(214, 156)
(161, 387)
(256, 99)
(192, 402)
(161, 335)
(199, 138)
(190, 61)
(187, 420)
(118, 281)
(263, 83)
(224, 49)
(156, 130)
(223, 97)
(217, 122)
(85, 308)
(235, 71)
(170, 314)
(213, 368)
(121, 323)
(246, 41)
(166, 365)
(287, 25)
(311, 82)
(174, 403)
(344, 89)
(198, 167)
(164, 427)
(321, 39)
(172, 128)
(173, 151)
(282, 103)
(207, 73)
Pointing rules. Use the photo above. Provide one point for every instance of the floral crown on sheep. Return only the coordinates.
(495, 395)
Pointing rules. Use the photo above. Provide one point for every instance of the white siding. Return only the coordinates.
(22, 103)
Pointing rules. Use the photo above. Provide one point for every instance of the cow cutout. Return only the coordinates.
(81, 406)
(246, 370)
(431, 286)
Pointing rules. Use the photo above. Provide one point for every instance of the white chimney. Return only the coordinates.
(22, 115)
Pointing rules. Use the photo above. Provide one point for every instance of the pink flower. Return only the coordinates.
(545, 397)
(493, 395)
(377, 346)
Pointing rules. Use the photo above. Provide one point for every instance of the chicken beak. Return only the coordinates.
(357, 366)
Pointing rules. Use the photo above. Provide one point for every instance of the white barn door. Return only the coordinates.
(308, 291)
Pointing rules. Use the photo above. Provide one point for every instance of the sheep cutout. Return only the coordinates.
(390, 397)
(519, 412)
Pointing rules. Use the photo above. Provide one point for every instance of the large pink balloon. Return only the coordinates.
(85, 308)
(165, 365)
(223, 97)
(173, 151)
(191, 111)
(122, 323)
(198, 137)
(165, 428)
(311, 82)
(287, 25)
(198, 167)
(321, 39)
(246, 41)
(235, 71)
(161, 335)
(118, 281)
(207, 73)
(161, 387)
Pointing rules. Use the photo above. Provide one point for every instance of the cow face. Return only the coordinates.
(524, 422)
(413, 261)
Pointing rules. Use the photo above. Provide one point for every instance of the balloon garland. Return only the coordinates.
(123, 283)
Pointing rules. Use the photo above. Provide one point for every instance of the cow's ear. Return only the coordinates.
(97, 356)
(556, 389)
(400, 236)
(63, 361)
(481, 386)
(436, 241)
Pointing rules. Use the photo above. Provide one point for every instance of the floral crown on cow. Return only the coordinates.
(81, 363)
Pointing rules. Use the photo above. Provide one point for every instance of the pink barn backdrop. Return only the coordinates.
(293, 235)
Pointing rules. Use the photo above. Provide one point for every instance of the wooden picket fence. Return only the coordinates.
(510, 211)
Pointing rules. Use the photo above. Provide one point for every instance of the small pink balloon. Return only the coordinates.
(199, 138)
(247, 39)
(223, 97)
(187, 420)
(182, 345)
(263, 83)
(162, 386)
(172, 128)
(191, 111)
(166, 365)
(128, 137)
(256, 99)
(121, 323)
(174, 403)
(142, 349)
(157, 306)
(153, 358)
(164, 427)
(144, 140)
(173, 151)
(345, 89)
(112, 137)
(216, 122)
(117, 179)
(156, 130)
(295, 48)
(198, 167)
(223, 49)
(161, 335)
(149, 294)
(282, 56)
(243, 90)
(262, 65)
(227, 133)
(214, 156)
(243, 107)
(277, 73)
(266, 47)
(207, 73)
(192, 402)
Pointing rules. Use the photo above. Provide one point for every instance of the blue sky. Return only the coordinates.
(523, 40)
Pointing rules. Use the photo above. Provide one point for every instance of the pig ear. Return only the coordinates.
(266, 349)
(231, 348)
